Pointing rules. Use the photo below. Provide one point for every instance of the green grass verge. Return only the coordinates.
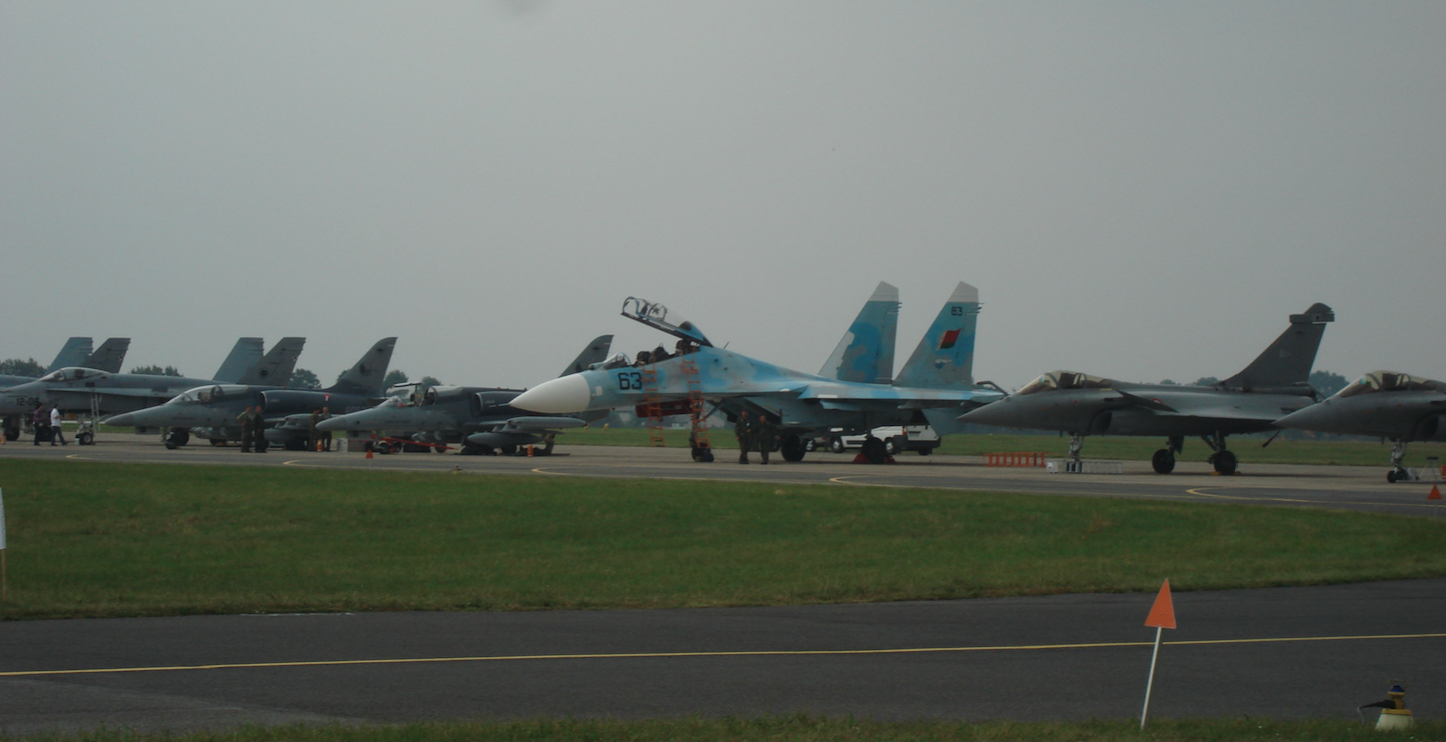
(794, 728)
(91, 539)
(1127, 448)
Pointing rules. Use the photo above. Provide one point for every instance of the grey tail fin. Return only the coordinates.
(244, 355)
(366, 376)
(595, 352)
(1287, 361)
(109, 356)
(945, 355)
(73, 353)
(275, 368)
(866, 351)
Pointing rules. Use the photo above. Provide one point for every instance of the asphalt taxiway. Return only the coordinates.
(1336, 487)
(1281, 652)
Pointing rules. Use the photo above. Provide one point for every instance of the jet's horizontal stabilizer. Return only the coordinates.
(656, 317)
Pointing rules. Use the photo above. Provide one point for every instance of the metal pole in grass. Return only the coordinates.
(1162, 616)
(4, 575)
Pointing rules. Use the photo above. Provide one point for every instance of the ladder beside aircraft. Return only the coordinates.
(696, 415)
(652, 405)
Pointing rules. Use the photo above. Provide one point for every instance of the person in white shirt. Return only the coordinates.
(55, 428)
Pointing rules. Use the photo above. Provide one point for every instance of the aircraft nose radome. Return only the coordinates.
(994, 413)
(332, 423)
(1318, 417)
(565, 394)
(125, 420)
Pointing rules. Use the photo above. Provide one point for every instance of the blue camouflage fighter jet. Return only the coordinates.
(934, 386)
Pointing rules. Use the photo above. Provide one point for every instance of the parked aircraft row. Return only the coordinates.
(856, 391)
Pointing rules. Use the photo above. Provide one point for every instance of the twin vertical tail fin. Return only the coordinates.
(73, 353)
(367, 375)
(866, 352)
(275, 368)
(244, 355)
(595, 352)
(1288, 360)
(110, 356)
(945, 355)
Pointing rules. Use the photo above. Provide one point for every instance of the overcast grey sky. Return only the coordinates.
(1140, 190)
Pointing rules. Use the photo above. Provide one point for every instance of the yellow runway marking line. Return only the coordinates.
(1200, 492)
(667, 655)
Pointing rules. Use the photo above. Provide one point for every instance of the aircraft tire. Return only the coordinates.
(85, 439)
(1391, 476)
(1225, 462)
(836, 445)
(792, 448)
(171, 445)
(1163, 461)
(12, 434)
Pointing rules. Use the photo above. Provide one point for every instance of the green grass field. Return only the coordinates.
(797, 729)
(92, 539)
(1247, 447)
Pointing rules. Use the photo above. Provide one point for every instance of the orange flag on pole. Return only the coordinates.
(1162, 615)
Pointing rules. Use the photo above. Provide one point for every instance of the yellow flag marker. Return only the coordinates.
(1162, 616)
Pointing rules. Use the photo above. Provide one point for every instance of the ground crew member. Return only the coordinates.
(314, 436)
(765, 434)
(258, 430)
(743, 431)
(326, 434)
(247, 433)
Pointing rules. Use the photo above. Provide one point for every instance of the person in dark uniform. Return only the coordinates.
(258, 431)
(326, 434)
(765, 434)
(743, 431)
(247, 433)
(314, 436)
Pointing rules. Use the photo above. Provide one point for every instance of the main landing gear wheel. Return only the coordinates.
(792, 448)
(1398, 475)
(1163, 461)
(85, 439)
(702, 455)
(1225, 462)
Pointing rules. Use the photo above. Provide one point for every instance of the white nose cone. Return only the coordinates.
(565, 394)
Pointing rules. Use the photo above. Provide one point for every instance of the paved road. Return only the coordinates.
(1278, 652)
(1341, 487)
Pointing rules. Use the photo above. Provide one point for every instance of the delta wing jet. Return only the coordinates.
(96, 393)
(1274, 384)
(934, 386)
(211, 411)
(1381, 404)
(479, 418)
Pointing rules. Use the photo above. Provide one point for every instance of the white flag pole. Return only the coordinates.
(4, 575)
(1151, 684)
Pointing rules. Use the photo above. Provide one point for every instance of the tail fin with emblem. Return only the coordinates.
(945, 355)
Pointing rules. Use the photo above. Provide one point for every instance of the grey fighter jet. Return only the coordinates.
(1274, 384)
(97, 393)
(75, 351)
(932, 388)
(1381, 404)
(479, 418)
(211, 411)
(194, 408)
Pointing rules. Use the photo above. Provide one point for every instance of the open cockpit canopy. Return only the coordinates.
(1389, 381)
(1064, 380)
